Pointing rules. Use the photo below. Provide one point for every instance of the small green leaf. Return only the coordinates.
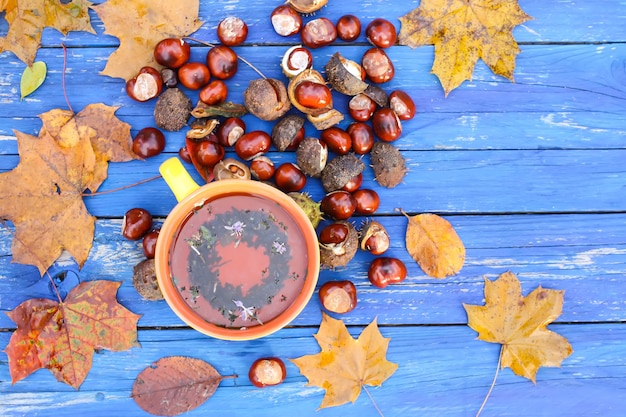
(32, 78)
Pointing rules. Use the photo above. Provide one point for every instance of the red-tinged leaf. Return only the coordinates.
(175, 385)
(63, 336)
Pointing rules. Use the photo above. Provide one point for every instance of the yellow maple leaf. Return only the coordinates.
(519, 324)
(27, 19)
(464, 31)
(345, 364)
(140, 25)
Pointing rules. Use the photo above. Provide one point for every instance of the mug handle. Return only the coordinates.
(177, 178)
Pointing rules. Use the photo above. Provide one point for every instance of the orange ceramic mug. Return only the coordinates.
(235, 259)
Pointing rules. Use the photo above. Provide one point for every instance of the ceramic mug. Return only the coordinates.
(235, 259)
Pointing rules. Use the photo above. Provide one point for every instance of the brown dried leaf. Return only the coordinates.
(175, 385)
(464, 31)
(345, 364)
(434, 244)
(63, 336)
(42, 196)
(519, 324)
(140, 25)
(28, 18)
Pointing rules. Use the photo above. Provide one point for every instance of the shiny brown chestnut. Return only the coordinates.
(230, 130)
(136, 223)
(348, 28)
(222, 62)
(337, 140)
(194, 75)
(313, 95)
(318, 32)
(232, 31)
(386, 124)
(340, 205)
(338, 296)
(373, 237)
(267, 372)
(401, 103)
(215, 92)
(386, 270)
(362, 136)
(262, 168)
(367, 201)
(148, 142)
(295, 60)
(253, 144)
(361, 107)
(353, 184)
(285, 20)
(377, 65)
(146, 85)
(333, 234)
(172, 52)
(209, 153)
(289, 178)
(381, 33)
(148, 243)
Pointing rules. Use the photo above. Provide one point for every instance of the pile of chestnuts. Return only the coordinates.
(333, 154)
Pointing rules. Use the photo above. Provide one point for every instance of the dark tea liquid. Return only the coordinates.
(238, 260)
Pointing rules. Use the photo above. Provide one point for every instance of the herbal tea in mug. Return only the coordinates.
(239, 260)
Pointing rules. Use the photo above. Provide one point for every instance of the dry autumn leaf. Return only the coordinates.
(345, 364)
(519, 324)
(140, 25)
(43, 195)
(175, 385)
(28, 18)
(464, 31)
(63, 336)
(434, 244)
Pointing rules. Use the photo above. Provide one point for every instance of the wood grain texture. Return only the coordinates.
(531, 174)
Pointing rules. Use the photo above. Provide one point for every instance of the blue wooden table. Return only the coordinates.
(532, 175)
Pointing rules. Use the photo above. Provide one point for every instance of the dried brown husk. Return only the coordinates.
(267, 98)
(325, 120)
(227, 109)
(307, 6)
(341, 78)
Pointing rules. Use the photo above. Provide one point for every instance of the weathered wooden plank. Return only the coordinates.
(585, 255)
(557, 21)
(443, 371)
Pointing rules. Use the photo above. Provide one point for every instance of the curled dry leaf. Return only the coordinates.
(175, 385)
(140, 25)
(464, 31)
(434, 244)
(345, 364)
(43, 195)
(519, 323)
(63, 336)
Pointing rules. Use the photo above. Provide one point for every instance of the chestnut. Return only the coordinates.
(148, 142)
(222, 62)
(146, 85)
(172, 52)
(338, 296)
(194, 75)
(340, 205)
(267, 372)
(148, 243)
(401, 103)
(362, 136)
(361, 107)
(354, 184)
(337, 140)
(231, 168)
(232, 31)
(214, 92)
(333, 234)
(285, 20)
(230, 131)
(374, 238)
(386, 124)
(338, 243)
(209, 153)
(288, 133)
(367, 201)
(377, 65)
(295, 60)
(313, 95)
(318, 32)
(289, 177)
(136, 223)
(381, 33)
(386, 270)
(183, 153)
(262, 168)
(253, 144)
(348, 28)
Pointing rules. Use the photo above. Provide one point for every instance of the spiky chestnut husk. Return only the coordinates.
(340, 170)
(311, 156)
(145, 281)
(332, 256)
(310, 207)
(388, 164)
(172, 110)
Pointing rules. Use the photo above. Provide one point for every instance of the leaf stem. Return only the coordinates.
(373, 402)
(242, 59)
(493, 383)
(69, 106)
(113, 190)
